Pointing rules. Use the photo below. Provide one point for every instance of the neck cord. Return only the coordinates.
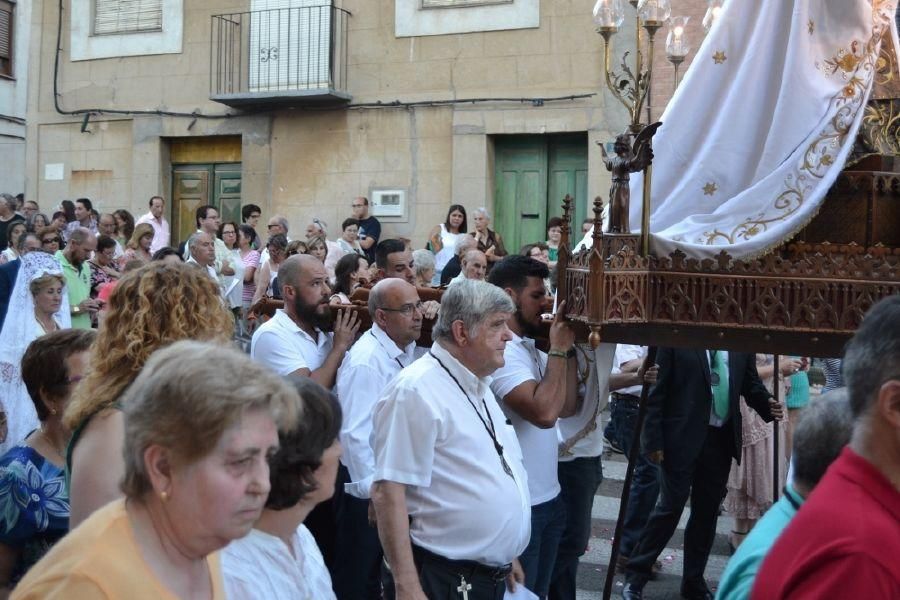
(488, 425)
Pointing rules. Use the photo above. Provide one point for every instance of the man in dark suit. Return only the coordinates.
(692, 431)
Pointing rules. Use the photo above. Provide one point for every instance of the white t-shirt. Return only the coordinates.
(260, 565)
(524, 362)
(427, 435)
(581, 435)
(624, 354)
(282, 346)
(373, 361)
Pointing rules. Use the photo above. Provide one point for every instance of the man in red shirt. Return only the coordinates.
(845, 540)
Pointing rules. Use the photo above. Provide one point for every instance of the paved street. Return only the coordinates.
(592, 572)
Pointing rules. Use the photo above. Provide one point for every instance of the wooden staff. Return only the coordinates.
(775, 388)
(633, 453)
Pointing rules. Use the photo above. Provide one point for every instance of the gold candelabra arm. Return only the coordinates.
(614, 86)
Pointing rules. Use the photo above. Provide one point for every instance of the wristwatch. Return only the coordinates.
(76, 310)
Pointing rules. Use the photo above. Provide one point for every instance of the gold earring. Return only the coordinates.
(164, 495)
(52, 411)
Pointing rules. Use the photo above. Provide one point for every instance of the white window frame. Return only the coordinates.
(414, 18)
(87, 46)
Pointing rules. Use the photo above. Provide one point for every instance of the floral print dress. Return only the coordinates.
(34, 505)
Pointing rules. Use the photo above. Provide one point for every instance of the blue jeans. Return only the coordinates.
(579, 480)
(548, 520)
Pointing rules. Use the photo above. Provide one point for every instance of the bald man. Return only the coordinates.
(372, 363)
(294, 341)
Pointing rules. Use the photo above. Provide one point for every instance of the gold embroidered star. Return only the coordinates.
(710, 188)
(719, 57)
(811, 26)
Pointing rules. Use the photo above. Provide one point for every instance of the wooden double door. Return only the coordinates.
(193, 185)
(532, 174)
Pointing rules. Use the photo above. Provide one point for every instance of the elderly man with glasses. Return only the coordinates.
(371, 364)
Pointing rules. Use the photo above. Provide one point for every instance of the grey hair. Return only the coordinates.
(283, 222)
(322, 225)
(185, 399)
(80, 234)
(10, 200)
(464, 244)
(823, 431)
(873, 354)
(194, 240)
(471, 302)
(423, 260)
(483, 211)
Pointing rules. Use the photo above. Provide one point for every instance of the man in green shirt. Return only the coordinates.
(823, 431)
(77, 271)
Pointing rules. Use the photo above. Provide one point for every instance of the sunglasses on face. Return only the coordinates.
(51, 241)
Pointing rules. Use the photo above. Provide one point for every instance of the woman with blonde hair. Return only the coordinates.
(138, 247)
(196, 476)
(150, 308)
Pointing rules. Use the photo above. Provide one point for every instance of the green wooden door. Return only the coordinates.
(520, 199)
(533, 173)
(194, 185)
(568, 175)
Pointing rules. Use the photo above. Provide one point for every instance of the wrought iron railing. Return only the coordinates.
(299, 49)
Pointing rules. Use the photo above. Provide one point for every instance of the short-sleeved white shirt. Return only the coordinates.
(427, 436)
(282, 346)
(373, 361)
(524, 362)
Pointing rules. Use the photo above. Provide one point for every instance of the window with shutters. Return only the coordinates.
(7, 12)
(127, 16)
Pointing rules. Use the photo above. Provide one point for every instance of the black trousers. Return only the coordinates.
(356, 573)
(704, 482)
(445, 579)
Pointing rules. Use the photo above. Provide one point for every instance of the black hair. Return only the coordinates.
(348, 222)
(514, 270)
(248, 233)
(86, 203)
(202, 212)
(386, 248)
(249, 209)
(164, 252)
(292, 469)
(104, 242)
(457, 207)
(345, 267)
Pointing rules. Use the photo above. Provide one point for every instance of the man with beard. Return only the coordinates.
(372, 363)
(294, 341)
(535, 389)
(77, 271)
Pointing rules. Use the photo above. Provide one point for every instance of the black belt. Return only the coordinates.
(469, 569)
(619, 396)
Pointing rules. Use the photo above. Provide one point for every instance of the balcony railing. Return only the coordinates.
(282, 56)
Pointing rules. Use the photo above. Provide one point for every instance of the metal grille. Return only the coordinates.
(281, 49)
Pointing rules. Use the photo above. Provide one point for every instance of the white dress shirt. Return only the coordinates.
(373, 361)
(161, 231)
(282, 346)
(524, 362)
(261, 565)
(427, 435)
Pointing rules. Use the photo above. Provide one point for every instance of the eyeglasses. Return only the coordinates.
(357, 205)
(273, 225)
(406, 309)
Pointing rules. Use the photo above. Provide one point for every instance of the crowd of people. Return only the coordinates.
(255, 416)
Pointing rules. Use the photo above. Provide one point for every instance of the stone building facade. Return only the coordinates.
(394, 118)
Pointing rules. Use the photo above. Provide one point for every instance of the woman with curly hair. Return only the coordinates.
(150, 308)
(124, 226)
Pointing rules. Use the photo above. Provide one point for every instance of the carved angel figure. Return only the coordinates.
(628, 159)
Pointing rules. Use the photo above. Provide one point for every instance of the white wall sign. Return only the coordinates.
(54, 172)
(388, 203)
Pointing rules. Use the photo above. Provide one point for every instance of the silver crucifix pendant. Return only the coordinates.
(463, 588)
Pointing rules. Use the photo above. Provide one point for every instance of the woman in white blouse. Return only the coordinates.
(279, 557)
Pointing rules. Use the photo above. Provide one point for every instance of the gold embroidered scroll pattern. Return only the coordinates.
(821, 152)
